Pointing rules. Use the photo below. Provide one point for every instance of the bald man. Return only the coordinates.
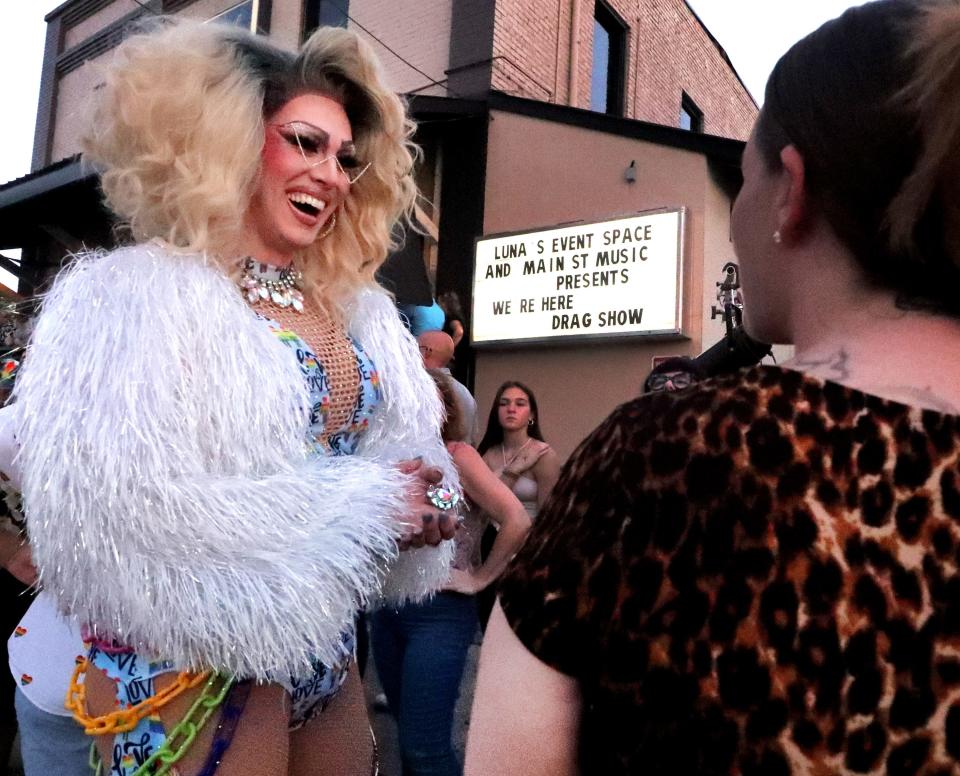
(436, 348)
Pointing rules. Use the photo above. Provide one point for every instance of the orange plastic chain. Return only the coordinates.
(123, 720)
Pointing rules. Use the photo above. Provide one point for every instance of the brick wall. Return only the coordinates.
(525, 36)
(668, 53)
(681, 56)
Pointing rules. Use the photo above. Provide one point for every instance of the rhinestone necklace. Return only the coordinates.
(264, 282)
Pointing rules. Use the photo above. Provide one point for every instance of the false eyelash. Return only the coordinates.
(310, 145)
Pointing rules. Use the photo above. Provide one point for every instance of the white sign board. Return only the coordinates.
(611, 278)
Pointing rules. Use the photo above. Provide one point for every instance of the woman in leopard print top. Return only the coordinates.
(761, 574)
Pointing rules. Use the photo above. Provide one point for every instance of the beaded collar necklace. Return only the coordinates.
(262, 282)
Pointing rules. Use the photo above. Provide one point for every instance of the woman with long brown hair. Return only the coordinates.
(514, 448)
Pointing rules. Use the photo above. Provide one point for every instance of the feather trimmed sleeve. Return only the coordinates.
(408, 425)
(169, 495)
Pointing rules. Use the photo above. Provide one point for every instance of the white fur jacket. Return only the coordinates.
(168, 494)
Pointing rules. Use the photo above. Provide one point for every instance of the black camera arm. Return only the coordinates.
(737, 349)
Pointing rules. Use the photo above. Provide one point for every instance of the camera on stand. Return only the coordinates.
(737, 349)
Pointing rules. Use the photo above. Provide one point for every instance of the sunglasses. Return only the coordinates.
(679, 380)
(313, 144)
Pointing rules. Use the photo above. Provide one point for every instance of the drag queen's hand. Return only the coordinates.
(423, 523)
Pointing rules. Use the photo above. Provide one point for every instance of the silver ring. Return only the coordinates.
(443, 497)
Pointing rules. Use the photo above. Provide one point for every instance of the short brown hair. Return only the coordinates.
(453, 427)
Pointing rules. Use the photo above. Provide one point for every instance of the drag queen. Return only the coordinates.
(225, 432)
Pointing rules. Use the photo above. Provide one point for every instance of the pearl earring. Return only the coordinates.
(776, 237)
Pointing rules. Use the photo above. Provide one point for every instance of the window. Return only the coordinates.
(609, 61)
(691, 117)
(324, 13)
(242, 15)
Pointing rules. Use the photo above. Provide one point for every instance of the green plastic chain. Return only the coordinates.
(209, 701)
(94, 761)
(186, 729)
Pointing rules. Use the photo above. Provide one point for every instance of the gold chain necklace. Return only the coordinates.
(503, 452)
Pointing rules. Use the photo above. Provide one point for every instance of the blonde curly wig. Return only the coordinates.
(178, 128)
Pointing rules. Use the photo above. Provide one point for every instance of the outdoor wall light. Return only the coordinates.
(630, 174)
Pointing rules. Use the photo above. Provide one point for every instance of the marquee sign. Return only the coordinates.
(615, 278)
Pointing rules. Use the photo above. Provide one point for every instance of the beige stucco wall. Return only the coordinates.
(73, 104)
(540, 174)
(76, 87)
(286, 21)
(418, 30)
(96, 22)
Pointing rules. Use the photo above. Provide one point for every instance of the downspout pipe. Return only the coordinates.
(574, 75)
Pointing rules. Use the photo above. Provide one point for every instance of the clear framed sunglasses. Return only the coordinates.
(679, 380)
(314, 143)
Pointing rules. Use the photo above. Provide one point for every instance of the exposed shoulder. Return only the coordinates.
(540, 448)
(545, 458)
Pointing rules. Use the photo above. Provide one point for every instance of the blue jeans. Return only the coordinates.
(51, 743)
(420, 651)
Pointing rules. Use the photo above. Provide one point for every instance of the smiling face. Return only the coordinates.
(514, 410)
(306, 164)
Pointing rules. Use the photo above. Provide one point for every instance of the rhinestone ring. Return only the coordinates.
(442, 497)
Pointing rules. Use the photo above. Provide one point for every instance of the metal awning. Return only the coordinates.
(61, 201)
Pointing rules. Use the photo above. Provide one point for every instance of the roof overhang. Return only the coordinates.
(37, 184)
(719, 149)
(61, 199)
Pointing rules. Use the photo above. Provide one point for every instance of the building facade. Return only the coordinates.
(650, 60)
(531, 113)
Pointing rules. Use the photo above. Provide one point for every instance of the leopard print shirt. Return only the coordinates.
(757, 575)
